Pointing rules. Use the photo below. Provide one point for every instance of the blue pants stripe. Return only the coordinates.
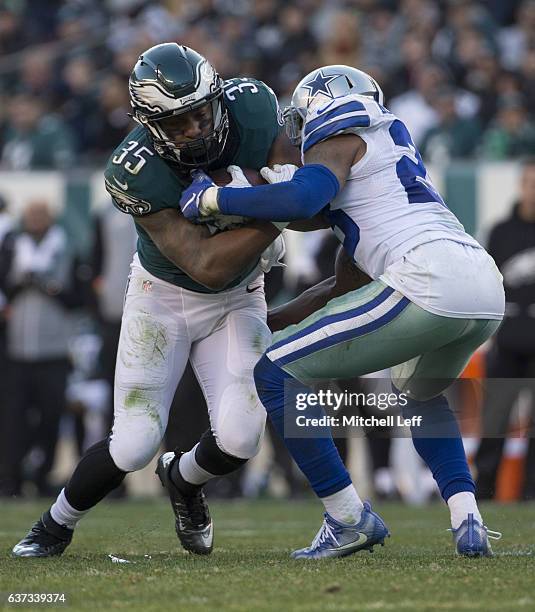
(341, 316)
(344, 336)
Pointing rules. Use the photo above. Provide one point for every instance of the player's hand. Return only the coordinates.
(200, 198)
(278, 174)
(238, 177)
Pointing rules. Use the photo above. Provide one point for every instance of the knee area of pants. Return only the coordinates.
(131, 456)
(243, 445)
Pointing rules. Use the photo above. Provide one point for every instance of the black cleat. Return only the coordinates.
(45, 539)
(193, 523)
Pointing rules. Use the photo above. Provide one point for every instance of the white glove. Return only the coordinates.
(238, 177)
(219, 222)
(279, 174)
(209, 208)
(208, 203)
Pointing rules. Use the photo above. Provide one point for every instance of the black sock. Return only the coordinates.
(186, 488)
(210, 458)
(94, 477)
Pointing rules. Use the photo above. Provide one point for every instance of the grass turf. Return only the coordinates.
(250, 569)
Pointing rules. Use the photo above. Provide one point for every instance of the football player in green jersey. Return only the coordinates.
(192, 294)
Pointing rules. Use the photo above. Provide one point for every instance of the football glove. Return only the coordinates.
(279, 174)
(200, 198)
(238, 177)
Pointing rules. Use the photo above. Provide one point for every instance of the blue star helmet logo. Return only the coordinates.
(320, 84)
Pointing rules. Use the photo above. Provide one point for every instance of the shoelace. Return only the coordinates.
(493, 535)
(197, 510)
(323, 535)
(46, 536)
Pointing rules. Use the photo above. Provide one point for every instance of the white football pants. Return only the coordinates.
(163, 325)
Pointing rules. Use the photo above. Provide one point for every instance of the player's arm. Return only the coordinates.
(347, 277)
(212, 260)
(283, 152)
(327, 166)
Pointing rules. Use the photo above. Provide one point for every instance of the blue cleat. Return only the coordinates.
(471, 538)
(336, 539)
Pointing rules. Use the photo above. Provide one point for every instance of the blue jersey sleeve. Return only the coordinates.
(312, 187)
(347, 115)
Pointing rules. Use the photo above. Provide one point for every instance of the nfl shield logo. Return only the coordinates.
(147, 286)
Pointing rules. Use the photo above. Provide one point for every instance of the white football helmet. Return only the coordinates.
(326, 84)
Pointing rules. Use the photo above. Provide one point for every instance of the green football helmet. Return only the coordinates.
(170, 80)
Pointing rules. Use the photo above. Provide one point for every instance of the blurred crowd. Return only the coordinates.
(460, 73)
(60, 319)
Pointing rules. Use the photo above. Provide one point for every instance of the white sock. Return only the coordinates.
(383, 482)
(191, 471)
(64, 514)
(461, 505)
(344, 506)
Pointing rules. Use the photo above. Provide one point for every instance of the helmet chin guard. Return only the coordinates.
(170, 80)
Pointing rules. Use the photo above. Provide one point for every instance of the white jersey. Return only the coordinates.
(388, 205)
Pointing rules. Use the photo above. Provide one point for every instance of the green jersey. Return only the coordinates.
(141, 182)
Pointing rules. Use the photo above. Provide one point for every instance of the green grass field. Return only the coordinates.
(250, 569)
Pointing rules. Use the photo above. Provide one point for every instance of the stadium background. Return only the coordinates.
(460, 73)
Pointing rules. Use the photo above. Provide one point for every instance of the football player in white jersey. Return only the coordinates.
(434, 298)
